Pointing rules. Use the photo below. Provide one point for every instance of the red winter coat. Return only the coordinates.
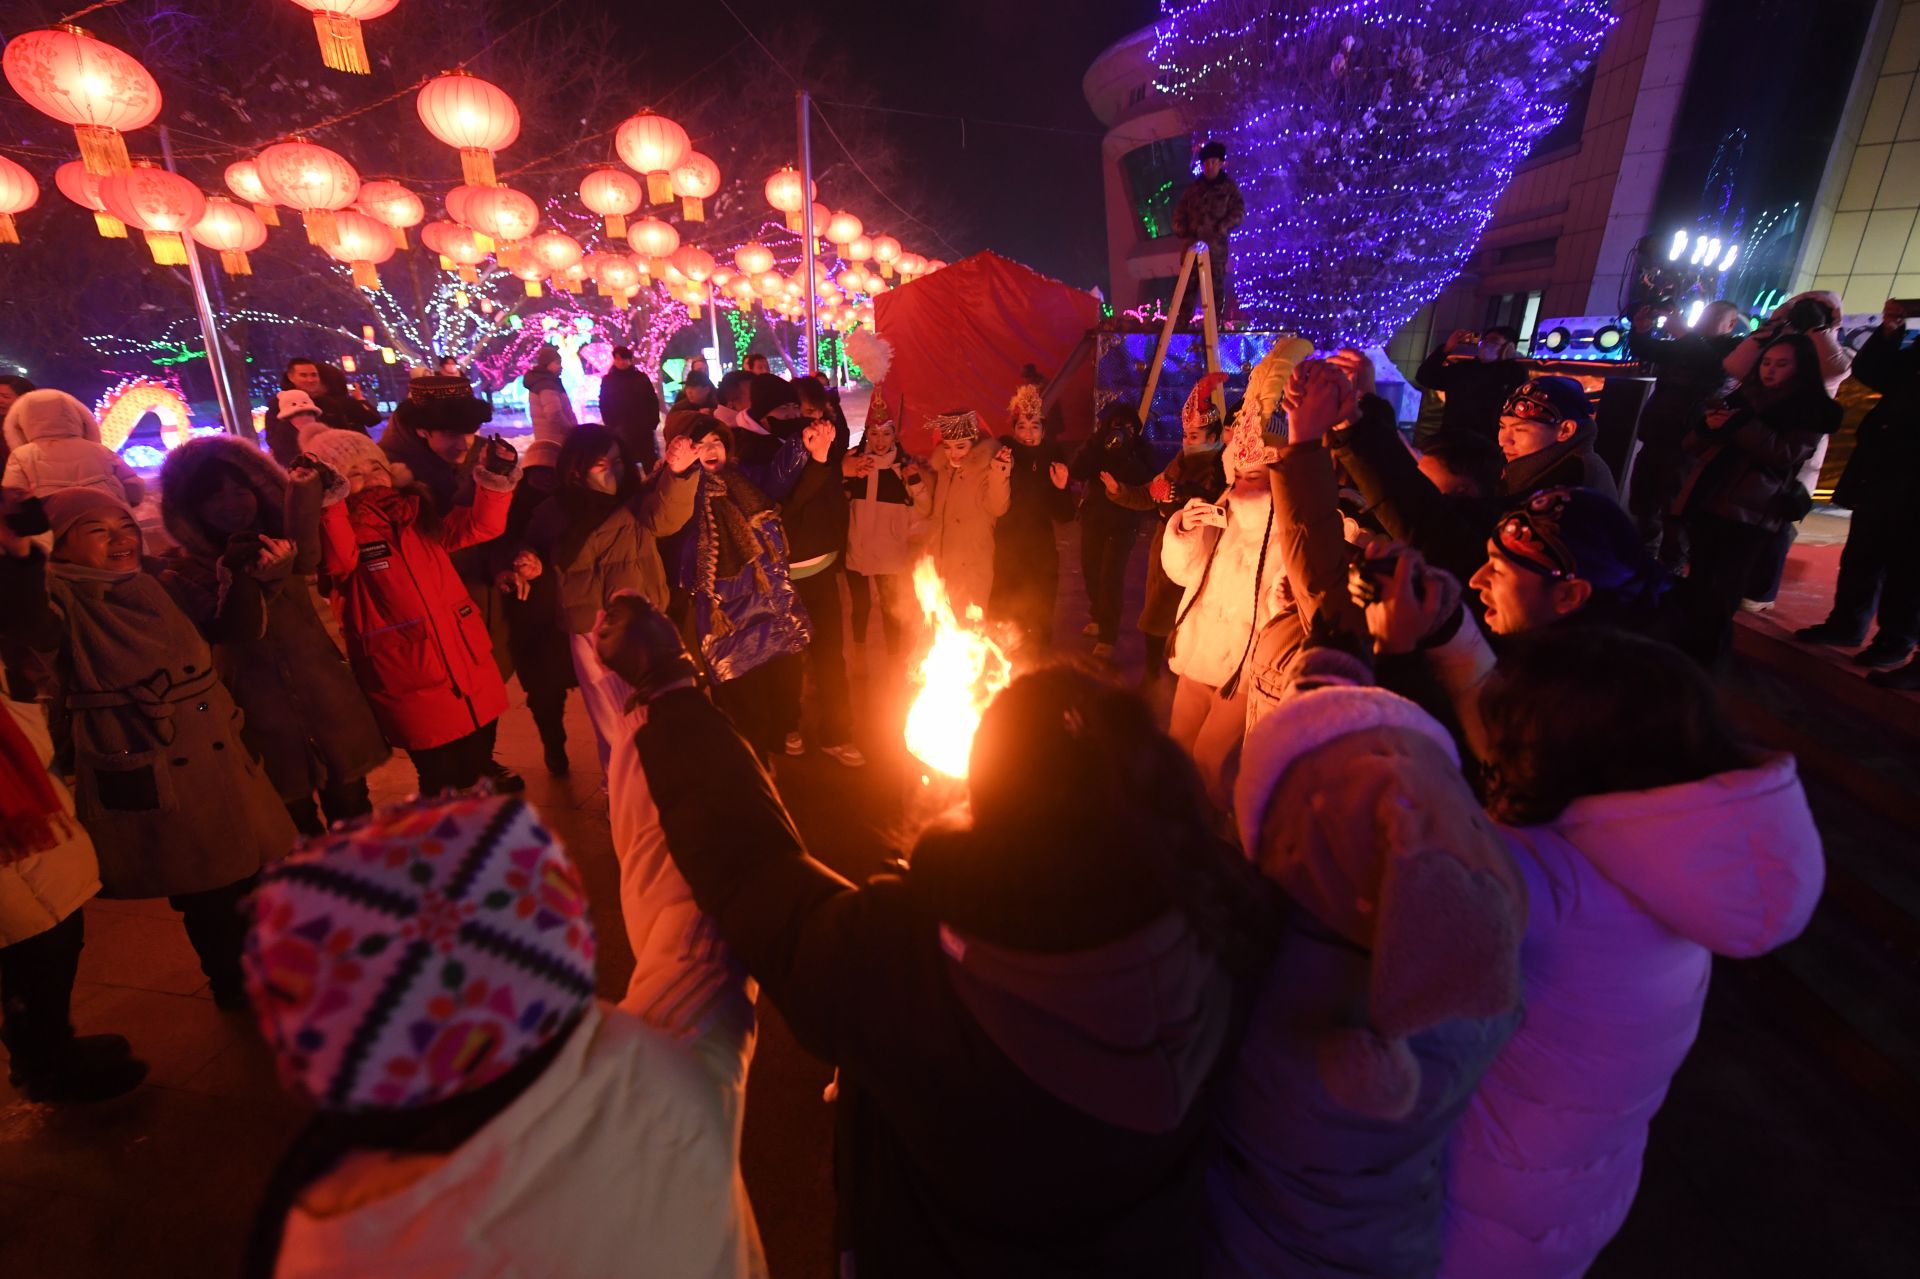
(416, 641)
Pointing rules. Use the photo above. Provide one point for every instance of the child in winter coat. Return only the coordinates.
(815, 515)
(1026, 559)
(888, 505)
(972, 487)
(306, 716)
(1026, 1019)
(597, 538)
(414, 636)
(175, 802)
(1116, 457)
(547, 401)
(477, 1109)
(48, 871)
(53, 443)
(294, 421)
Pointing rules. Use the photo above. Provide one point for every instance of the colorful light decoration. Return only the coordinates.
(653, 146)
(789, 193)
(612, 194)
(472, 115)
(306, 176)
(363, 244)
(101, 91)
(337, 24)
(1370, 139)
(696, 179)
(18, 193)
(392, 205)
(243, 179)
(119, 411)
(231, 230)
(83, 188)
(164, 205)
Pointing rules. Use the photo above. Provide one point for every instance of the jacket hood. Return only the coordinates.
(1127, 1032)
(184, 468)
(49, 415)
(1732, 862)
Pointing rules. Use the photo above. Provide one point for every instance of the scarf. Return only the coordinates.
(32, 819)
(70, 572)
(1522, 475)
(882, 461)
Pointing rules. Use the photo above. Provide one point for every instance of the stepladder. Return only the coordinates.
(1194, 265)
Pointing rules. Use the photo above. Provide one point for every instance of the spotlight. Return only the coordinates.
(1679, 246)
(1693, 311)
(1558, 339)
(1608, 339)
(1733, 251)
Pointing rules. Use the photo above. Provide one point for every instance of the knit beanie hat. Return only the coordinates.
(341, 449)
(770, 392)
(292, 402)
(419, 955)
(1351, 799)
(1568, 532)
(546, 355)
(68, 506)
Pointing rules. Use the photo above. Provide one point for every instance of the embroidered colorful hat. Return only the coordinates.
(1026, 404)
(961, 424)
(1199, 410)
(1250, 436)
(418, 955)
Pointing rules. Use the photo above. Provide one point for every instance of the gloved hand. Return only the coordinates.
(500, 458)
(636, 642)
(243, 549)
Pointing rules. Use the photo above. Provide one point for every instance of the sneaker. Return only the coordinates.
(1904, 678)
(847, 754)
(1880, 656)
(1756, 606)
(505, 780)
(1103, 651)
(557, 763)
(795, 746)
(1090, 630)
(1828, 633)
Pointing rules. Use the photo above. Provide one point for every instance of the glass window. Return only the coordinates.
(1156, 174)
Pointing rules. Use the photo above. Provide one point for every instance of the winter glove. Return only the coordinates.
(243, 550)
(309, 469)
(636, 642)
(500, 458)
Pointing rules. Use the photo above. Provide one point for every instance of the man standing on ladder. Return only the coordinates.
(1209, 210)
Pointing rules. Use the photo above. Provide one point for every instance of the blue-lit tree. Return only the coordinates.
(1370, 137)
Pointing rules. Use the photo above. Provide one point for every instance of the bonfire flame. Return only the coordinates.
(962, 671)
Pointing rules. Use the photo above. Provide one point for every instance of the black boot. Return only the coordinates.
(505, 780)
(1905, 678)
(85, 1068)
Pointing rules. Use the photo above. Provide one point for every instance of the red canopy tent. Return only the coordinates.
(961, 335)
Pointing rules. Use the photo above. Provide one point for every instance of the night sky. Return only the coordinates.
(1033, 196)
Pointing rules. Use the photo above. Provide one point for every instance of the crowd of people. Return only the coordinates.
(1376, 957)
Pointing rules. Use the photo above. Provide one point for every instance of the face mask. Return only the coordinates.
(601, 481)
(1205, 446)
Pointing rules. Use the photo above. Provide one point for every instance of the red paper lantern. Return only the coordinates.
(65, 73)
(83, 188)
(695, 180)
(467, 112)
(555, 250)
(860, 249)
(753, 258)
(693, 262)
(461, 246)
(612, 194)
(843, 229)
(311, 178)
(933, 264)
(886, 251)
(787, 192)
(618, 276)
(243, 179)
(162, 204)
(502, 213)
(363, 244)
(394, 205)
(526, 267)
(653, 239)
(337, 23)
(910, 265)
(18, 193)
(655, 146)
(231, 230)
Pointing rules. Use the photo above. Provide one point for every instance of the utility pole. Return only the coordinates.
(237, 422)
(807, 230)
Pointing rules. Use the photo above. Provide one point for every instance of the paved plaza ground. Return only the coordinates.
(1786, 1147)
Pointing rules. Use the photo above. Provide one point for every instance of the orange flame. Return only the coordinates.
(962, 672)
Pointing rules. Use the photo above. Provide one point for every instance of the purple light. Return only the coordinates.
(1370, 139)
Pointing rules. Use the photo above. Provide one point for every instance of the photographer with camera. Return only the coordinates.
(1476, 372)
(1687, 366)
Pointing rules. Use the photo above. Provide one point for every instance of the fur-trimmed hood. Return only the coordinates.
(183, 469)
(48, 414)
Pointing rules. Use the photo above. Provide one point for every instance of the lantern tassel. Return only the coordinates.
(476, 164)
(341, 46)
(446, 263)
(468, 275)
(693, 208)
(886, 269)
(399, 238)
(793, 221)
(102, 150)
(167, 247)
(322, 230)
(484, 240)
(268, 214)
(460, 299)
(235, 263)
(693, 310)
(619, 299)
(8, 233)
(617, 225)
(659, 188)
(366, 277)
(533, 289)
(111, 228)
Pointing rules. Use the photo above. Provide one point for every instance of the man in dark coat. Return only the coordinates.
(1689, 369)
(1476, 386)
(1882, 487)
(630, 408)
(1209, 210)
(341, 404)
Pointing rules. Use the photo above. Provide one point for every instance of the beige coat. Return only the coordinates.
(966, 504)
(38, 892)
